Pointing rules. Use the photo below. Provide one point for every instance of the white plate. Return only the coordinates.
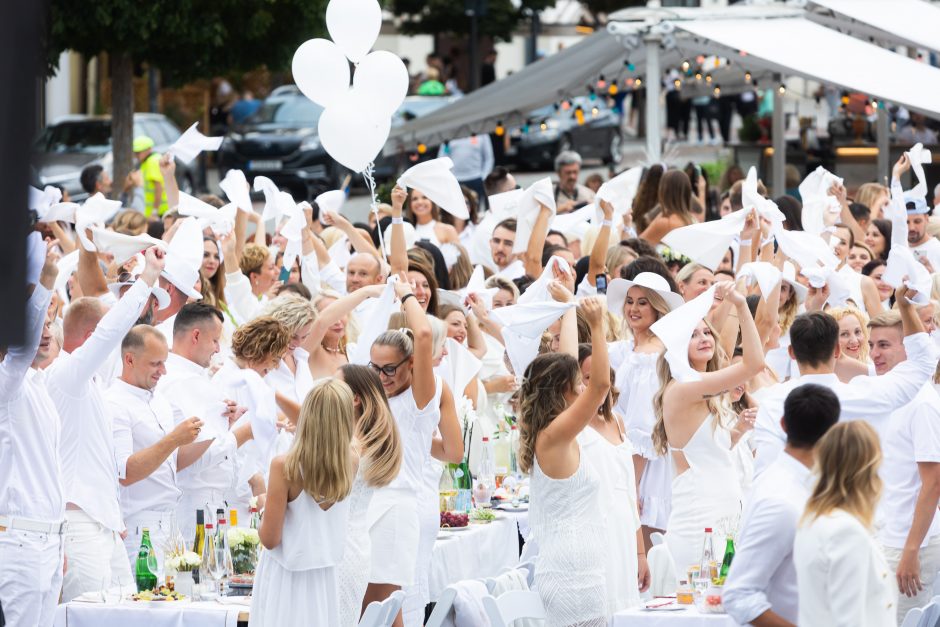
(508, 507)
(455, 529)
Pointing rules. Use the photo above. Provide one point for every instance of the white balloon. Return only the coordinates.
(354, 25)
(321, 71)
(352, 131)
(382, 79)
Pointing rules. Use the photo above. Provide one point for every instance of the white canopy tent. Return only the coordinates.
(912, 23)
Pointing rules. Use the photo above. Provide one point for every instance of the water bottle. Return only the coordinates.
(485, 483)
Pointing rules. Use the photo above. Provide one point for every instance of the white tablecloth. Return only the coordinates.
(162, 614)
(480, 551)
(689, 617)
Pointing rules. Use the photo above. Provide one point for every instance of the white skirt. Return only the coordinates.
(394, 532)
(283, 598)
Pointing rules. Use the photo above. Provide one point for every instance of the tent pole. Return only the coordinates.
(884, 150)
(654, 127)
(779, 161)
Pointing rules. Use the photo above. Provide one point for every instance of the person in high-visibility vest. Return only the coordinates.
(154, 196)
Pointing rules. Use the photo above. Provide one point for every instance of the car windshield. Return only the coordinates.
(292, 110)
(85, 136)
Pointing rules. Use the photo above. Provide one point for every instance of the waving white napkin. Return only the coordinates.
(707, 242)
(40, 200)
(276, 202)
(235, 186)
(184, 257)
(766, 275)
(538, 291)
(435, 180)
(537, 194)
(375, 324)
(458, 367)
(675, 332)
(191, 143)
(902, 263)
(574, 224)
(752, 199)
(520, 350)
(513, 271)
(339, 252)
(530, 319)
(804, 248)
(61, 212)
(919, 156)
(262, 411)
(506, 203)
(292, 230)
(66, 266)
(477, 286)
(96, 211)
(221, 221)
(839, 291)
(620, 190)
(122, 246)
(330, 201)
(820, 209)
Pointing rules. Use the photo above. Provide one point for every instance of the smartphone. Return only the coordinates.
(285, 275)
(601, 282)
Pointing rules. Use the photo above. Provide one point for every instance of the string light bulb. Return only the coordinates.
(613, 89)
(422, 148)
(638, 82)
(594, 112)
(747, 77)
(579, 115)
(677, 83)
(543, 126)
(698, 76)
(874, 103)
(708, 78)
(601, 83)
(686, 65)
(782, 89)
(500, 130)
(717, 90)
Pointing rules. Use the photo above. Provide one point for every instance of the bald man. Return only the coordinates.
(93, 546)
(363, 269)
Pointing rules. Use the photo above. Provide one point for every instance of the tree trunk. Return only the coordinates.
(122, 116)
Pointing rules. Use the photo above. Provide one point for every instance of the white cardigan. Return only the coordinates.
(842, 575)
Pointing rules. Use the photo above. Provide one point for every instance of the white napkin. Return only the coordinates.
(919, 156)
(458, 367)
(184, 256)
(375, 324)
(820, 210)
(122, 246)
(675, 332)
(520, 349)
(752, 199)
(902, 263)
(804, 248)
(574, 224)
(61, 211)
(276, 202)
(707, 242)
(539, 193)
(96, 211)
(513, 271)
(765, 274)
(67, 266)
(330, 201)
(435, 180)
(477, 285)
(339, 252)
(839, 292)
(620, 190)
(262, 411)
(191, 143)
(538, 291)
(40, 200)
(292, 230)
(530, 319)
(505, 203)
(221, 221)
(235, 186)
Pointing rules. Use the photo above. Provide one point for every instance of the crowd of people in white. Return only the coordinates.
(770, 372)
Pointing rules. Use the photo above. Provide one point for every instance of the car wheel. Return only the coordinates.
(615, 151)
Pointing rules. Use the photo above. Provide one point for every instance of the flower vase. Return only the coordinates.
(244, 559)
(184, 583)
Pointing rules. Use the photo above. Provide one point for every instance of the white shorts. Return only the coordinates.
(394, 532)
(30, 577)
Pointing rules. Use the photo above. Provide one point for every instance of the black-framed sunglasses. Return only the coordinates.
(388, 371)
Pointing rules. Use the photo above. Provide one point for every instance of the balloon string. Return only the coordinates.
(367, 175)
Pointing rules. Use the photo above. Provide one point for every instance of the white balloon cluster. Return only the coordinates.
(357, 117)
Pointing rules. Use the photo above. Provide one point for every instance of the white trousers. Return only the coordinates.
(162, 527)
(97, 558)
(929, 557)
(30, 577)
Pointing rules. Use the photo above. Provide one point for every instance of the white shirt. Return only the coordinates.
(185, 387)
(931, 250)
(416, 427)
(912, 435)
(762, 575)
(30, 473)
(89, 469)
(293, 385)
(140, 421)
(862, 398)
(842, 575)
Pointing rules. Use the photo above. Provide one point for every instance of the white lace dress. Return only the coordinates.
(566, 519)
(352, 574)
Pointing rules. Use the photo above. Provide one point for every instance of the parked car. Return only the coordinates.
(552, 130)
(70, 144)
(280, 142)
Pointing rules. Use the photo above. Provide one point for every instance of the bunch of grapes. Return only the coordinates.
(454, 519)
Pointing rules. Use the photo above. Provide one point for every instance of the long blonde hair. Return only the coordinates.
(788, 311)
(542, 398)
(717, 405)
(376, 432)
(321, 457)
(847, 461)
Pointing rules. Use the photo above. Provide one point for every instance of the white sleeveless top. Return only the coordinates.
(416, 427)
(426, 231)
(312, 538)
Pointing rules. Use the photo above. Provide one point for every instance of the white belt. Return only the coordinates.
(25, 524)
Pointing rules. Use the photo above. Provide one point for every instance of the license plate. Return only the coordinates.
(265, 165)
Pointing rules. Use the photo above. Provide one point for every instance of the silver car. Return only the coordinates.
(74, 142)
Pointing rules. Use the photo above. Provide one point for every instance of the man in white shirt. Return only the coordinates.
(814, 344)
(187, 387)
(761, 587)
(910, 469)
(32, 502)
(93, 545)
(149, 447)
(505, 263)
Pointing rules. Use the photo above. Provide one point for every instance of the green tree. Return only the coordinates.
(448, 16)
(185, 39)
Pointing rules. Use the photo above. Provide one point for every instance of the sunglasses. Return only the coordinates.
(388, 371)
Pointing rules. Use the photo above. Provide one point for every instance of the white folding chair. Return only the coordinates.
(383, 613)
(509, 607)
(927, 616)
(657, 538)
(442, 607)
(663, 580)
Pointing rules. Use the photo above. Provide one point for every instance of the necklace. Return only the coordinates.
(334, 351)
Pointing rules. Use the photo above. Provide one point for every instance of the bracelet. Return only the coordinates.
(406, 297)
(398, 220)
(769, 240)
(607, 223)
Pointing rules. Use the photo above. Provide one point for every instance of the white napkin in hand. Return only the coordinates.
(537, 194)
(765, 274)
(707, 242)
(191, 143)
(820, 209)
(675, 332)
(235, 186)
(919, 156)
(620, 190)
(902, 263)
(435, 180)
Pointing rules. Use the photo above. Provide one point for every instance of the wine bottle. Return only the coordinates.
(144, 571)
(200, 532)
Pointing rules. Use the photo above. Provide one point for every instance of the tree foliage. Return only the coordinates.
(448, 16)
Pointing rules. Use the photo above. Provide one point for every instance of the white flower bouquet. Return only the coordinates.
(184, 562)
(243, 545)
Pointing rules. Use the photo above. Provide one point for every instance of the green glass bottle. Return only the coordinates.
(145, 568)
(729, 556)
(464, 486)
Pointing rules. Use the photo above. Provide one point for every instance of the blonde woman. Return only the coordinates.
(876, 197)
(305, 518)
(695, 425)
(842, 576)
(291, 380)
(378, 444)
(693, 279)
(327, 342)
(853, 332)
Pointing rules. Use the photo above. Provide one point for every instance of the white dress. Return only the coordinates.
(429, 523)
(427, 232)
(568, 523)
(352, 573)
(637, 382)
(706, 494)
(614, 467)
(295, 583)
